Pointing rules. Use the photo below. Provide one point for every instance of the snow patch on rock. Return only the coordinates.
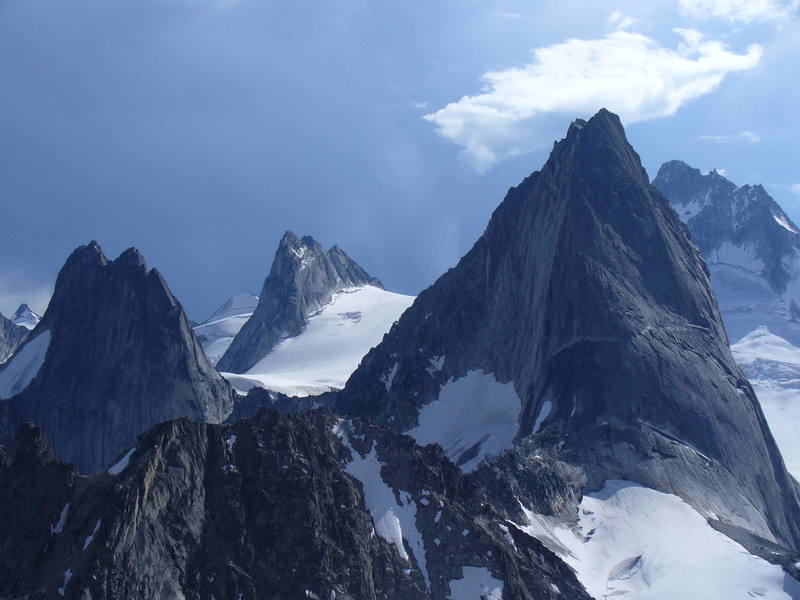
(62, 520)
(90, 538)
(395, 517)
(120, 466)
(474, 418)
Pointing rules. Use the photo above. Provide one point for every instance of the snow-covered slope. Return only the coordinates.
(217, 332)
(474, 418)
(772, 365)
(330, 348)
(634, 542)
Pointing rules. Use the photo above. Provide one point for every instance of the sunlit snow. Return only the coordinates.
(395, 517)
(330, 348)
(772, 365)
(634, 542)
(784, 222)
(20, 370)
(474, 418)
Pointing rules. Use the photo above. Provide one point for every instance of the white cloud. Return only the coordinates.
(741, 11)
(619, 21)
(628, 73)
(742, 136)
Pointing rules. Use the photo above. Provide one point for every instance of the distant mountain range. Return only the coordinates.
(559, 416)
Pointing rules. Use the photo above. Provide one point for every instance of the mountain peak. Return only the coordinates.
(131, 258)
(25, 317)
(89, 254)
(22, 309)
(113, 354)
(570, 321)
(303, 278)
(599, 144)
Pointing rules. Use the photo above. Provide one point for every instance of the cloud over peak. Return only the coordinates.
(629, 73)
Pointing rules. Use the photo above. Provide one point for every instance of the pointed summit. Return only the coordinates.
(584, 317)
(113, 354)
(303, 279)
(25, 317)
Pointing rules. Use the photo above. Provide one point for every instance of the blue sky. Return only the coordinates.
(200, 130)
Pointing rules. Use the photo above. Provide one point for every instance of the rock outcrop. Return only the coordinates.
(113, 355)
(275, 506)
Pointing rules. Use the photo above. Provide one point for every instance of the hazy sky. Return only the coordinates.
(200, 130)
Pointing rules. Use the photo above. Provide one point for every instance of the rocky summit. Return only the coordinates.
(113, 355)
(303, 278)
(584, 316)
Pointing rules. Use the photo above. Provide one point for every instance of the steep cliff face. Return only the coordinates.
(584, 316)
(113, 355)
(275, 506)
(11, 337)
(303, 279)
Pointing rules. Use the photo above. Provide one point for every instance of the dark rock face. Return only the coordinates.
(303, 279)
(11, 337)
(719, 214)
(586, 293)
(267, 508)
(121, 357)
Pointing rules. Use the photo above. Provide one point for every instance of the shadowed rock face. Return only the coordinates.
(303, 279)
(586, 293)
(268, 508)
(721, 215)
(11, 337)
(121, 357)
